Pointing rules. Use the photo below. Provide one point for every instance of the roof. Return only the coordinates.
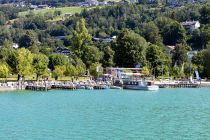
(188, 23)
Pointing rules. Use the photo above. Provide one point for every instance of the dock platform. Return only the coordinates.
(37, 88)
(179, 85)
(66, 87)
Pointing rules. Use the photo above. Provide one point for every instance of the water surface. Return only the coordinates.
(105, 114)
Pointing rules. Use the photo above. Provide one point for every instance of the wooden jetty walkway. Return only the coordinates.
(37, 88)
(63, 87)
(180, 85)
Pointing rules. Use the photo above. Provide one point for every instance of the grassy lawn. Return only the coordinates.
(64, 10)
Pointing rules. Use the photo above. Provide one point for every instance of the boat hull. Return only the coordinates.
(115, 87)
(148, 88)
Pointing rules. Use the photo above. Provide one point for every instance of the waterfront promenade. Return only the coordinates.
(67, 85)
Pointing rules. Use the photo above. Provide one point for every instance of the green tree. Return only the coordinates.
(24, 60)
(34, 49)
(198, 60)
(78, 63)
(57, 13)
(179, 55)
(151, 33)
(205, 14)
(81, 38)
(129, 49)
(57, 59)
(7, 44)
(189, 69)
(40, 63)
(205, 36)
(173, 33)
(96, 69)
(71, 71)
(80, 67)
(108, 57)
(9, 55)
(59, 71)
(177, 72)
(5, 34)
(158, 61)
(4, 71)
(206, 61)
(27, 40)
(162, 22)
(196, 41)
(91, 55)
(2, 18)
(145, 71)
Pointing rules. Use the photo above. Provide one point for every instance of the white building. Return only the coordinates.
(191, 25)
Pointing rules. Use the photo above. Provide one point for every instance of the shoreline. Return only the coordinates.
(7, 89)
(101, 85)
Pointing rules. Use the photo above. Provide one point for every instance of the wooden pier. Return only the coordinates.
(180, 85)
(37, 88)
(66, 87)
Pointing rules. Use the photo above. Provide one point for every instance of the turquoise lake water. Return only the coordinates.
(179, 114)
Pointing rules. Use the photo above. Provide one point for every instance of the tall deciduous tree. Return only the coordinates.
(96, 69)
(198, 60)
(205, 14)
(158, 61)
(57, 59)
(108, 57)
(151, 33)
(173, 33)
(91, 55)
(179, 55)
(80, 38)
(206, 60)
(129, 49)
(28, 39)
(4, 71)
(71, 71)
(59, 71)
(40, 63)
(24, 60)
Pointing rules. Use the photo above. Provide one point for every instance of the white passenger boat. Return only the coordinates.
(140, 85)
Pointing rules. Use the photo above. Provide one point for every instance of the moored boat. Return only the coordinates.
(89, 87)
(115, 87)
(140, 85)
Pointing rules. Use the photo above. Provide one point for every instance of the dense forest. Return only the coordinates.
(142, 32)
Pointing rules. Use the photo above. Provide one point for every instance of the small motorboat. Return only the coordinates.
(89, 87)
(104, 87)
(80, 87)
(115, 87)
